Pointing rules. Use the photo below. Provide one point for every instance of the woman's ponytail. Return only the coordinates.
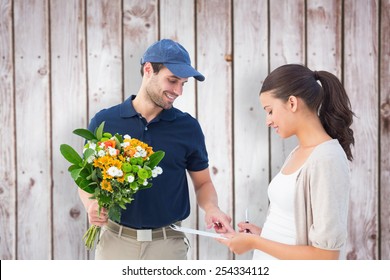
(335, 111)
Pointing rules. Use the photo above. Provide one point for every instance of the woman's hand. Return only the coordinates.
(239, 243)
(249, 228)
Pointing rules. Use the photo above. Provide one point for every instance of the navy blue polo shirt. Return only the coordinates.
(182, 139)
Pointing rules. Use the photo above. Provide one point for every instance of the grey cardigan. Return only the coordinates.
(321, 198)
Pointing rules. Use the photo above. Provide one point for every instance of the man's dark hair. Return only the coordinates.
(156, 67)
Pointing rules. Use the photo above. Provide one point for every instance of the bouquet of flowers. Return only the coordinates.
(112, 169)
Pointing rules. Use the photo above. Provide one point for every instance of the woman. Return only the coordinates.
(307, 217)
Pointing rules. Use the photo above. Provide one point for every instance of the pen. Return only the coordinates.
(247, 220)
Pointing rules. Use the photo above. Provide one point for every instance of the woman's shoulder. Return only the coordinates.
(328, 148)
(328, 153)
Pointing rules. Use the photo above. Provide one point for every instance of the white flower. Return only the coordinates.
(125, 144)
(126, 136)
(156, 171)
(143, 153)
(112, 151)
(101, 153)
(130, 179)
(91, 159)
(145, 183)
(140, 152)
(114, 172)
(92, 145)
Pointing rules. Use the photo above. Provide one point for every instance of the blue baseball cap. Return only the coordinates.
(174, 56)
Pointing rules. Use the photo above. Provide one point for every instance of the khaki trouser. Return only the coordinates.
(114, 246)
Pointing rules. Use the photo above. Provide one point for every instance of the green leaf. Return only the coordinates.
(114, 213)
(99, 131)
(155, 159)
(86, 185)
(118, 141)
(75, 173)
(93, 176)
(142, 187)
(119, 137)
(73, 167)
(127, 200)
(88, 153)
(70, 154)
(85, 133)
(104, 199)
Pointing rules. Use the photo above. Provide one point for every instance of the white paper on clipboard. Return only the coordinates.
(195, 231)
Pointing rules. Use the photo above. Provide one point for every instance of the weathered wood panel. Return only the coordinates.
(93, 63)
(215, 106)
(140, 29)
(251, 169)
(33, 143)
(104, 48)
(181, 28)
(287, 45)
(384, 61)
(69, 103)
(361, 82)
(7, 135)
(324, 36)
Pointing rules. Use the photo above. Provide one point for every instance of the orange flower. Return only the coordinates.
(109, 143)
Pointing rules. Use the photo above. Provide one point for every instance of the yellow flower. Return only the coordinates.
(116, 163)
(106, 185)
(102, 162)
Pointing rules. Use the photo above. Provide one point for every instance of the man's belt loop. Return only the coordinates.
(164, 233)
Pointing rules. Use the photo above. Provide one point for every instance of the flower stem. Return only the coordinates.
(90, 236)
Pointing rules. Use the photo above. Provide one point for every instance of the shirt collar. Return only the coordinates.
(127, 111)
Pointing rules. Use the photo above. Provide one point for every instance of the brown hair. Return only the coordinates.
(156, 67)
(328, 99)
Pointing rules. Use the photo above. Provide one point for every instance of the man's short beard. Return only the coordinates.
(158, 101)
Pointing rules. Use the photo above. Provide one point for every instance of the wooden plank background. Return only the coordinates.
(62, 61)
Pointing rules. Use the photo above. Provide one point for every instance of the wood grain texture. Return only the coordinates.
(33, 143)
(324, 36)
(251, 169)
(140, 29)
(361, 83)
(384, 183)
(7, 132)
(69, 107)
(215, 107)
(104, 48)
(61, 61)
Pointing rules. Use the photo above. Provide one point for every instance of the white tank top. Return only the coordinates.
(280, 222)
